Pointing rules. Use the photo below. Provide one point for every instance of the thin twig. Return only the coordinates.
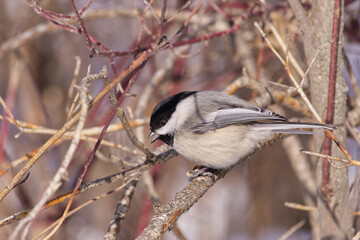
(153, 11)
(25, 127)
(140, 61)
(285, 50)
(57, 222)
(132, 136)
(303, 95)
(185, 24)
(328, 158)
(130, 133)
(298, 87)
(82, 27)
(71, 87)
(91, 157)
(68, 136)
(159, 159)
(355, 133)
(163, 154)
(312, 62)
(292, 230)
(301, 207)
(55, 183)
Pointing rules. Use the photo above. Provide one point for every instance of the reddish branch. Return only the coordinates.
(82, 27)
(58, 19)
(331, 92)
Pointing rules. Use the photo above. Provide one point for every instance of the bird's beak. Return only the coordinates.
(155, 138)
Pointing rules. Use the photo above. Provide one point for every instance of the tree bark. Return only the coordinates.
(333, 218)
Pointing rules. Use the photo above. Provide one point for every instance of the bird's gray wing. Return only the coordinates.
(226, 117)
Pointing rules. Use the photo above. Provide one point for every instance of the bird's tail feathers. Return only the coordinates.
(291, 127)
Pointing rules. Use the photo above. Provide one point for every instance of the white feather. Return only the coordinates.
(220, 148)
(179, 117)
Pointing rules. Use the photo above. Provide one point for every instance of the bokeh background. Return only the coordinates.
(37, 62)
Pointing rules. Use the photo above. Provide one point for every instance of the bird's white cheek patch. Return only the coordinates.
(183, 111)
(169, 127)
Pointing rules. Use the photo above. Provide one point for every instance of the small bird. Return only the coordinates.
(216, 130)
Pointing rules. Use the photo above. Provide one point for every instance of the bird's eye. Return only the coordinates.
(163, 122)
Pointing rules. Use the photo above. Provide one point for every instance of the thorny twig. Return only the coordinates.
(292, 230)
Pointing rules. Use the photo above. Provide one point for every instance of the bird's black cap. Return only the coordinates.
(164, 109)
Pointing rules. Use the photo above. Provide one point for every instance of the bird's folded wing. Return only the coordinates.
(225, 117)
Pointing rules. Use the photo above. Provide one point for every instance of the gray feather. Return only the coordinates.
(228, 111)
(239, 115)
(220, 110)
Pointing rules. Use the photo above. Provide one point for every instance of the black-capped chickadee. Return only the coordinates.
(215, 129)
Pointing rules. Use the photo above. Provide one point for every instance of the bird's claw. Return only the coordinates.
(200, 171)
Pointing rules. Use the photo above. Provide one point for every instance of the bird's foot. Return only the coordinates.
(201, 171)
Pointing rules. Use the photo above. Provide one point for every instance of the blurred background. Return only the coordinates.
(37, 64)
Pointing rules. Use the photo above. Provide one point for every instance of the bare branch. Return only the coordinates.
(122, 208)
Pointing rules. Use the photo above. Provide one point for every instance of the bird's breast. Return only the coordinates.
(220, 148)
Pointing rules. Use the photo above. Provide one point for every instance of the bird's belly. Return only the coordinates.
(220, 148)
